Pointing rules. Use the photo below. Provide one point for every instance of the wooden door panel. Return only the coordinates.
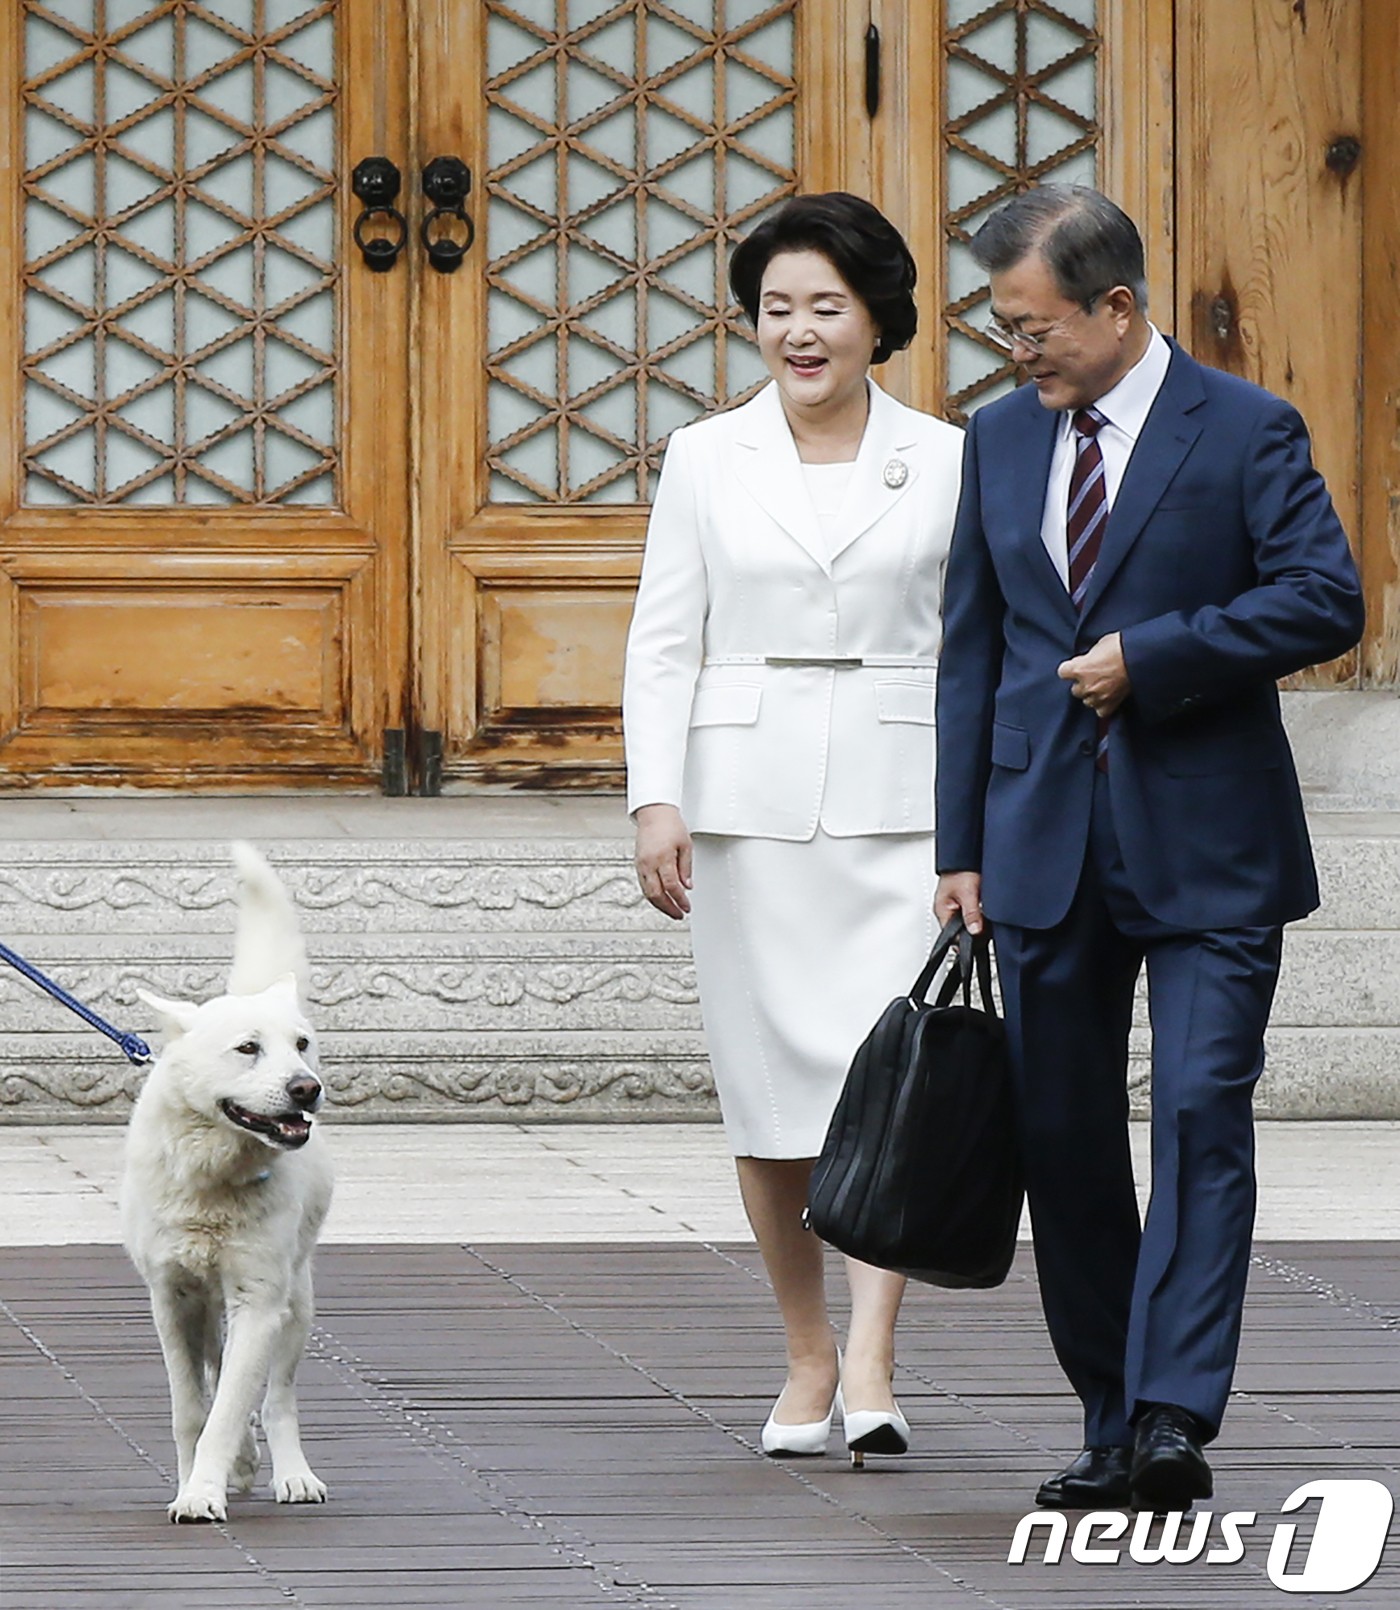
(204, 546)
(1269, 224)
(139, 647)
(1380, 351)
(539, 658)
(226, 665)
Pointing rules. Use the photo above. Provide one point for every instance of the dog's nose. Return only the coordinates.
(304, 1092)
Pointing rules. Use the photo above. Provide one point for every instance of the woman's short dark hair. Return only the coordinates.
(1090, 244)
(861, 244)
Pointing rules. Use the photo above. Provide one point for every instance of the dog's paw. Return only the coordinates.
(245, 1467)
(195, 1504)
(300, 1487)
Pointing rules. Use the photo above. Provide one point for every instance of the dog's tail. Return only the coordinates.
(269, 943)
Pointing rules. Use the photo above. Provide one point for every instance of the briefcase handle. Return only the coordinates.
(973, 955)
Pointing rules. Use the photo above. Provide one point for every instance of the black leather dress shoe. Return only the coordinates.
(1169, 1471)
(1098, 1479)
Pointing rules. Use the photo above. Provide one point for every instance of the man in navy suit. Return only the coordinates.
(1142, 549)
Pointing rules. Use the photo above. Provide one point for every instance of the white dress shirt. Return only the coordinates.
(828, 485)
(1125, 409)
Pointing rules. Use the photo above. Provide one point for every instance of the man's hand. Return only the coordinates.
(959, 892)
(1099, 678)
(663, 859)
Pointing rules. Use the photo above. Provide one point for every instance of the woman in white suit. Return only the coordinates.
(778, 706)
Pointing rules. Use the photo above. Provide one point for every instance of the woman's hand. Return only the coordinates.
(663, 859)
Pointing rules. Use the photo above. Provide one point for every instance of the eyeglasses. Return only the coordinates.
(1009, 339)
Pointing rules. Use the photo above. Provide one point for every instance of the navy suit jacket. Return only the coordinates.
(1224, 567)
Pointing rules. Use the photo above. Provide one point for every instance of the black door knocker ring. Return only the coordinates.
(376, 182)
(447, 182)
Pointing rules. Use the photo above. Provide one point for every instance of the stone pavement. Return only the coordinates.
(539, 1183)
(541, 1358)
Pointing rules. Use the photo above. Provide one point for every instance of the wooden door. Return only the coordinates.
(204, 502)
(619, 148)
(261, 506)
(264, 506)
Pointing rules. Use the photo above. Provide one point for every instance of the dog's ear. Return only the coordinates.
(176, 1017)
(286, 984)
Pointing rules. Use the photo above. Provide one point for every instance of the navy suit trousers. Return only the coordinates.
(1150, 1312)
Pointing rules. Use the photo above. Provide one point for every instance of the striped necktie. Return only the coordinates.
(1084, 526)
(1088, 503)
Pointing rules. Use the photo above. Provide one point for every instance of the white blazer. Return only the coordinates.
(737, 571)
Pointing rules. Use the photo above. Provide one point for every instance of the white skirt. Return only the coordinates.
(798, 949)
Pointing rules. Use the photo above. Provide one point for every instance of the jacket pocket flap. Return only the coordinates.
(733, 704)
(1011, 747)
(905, 701)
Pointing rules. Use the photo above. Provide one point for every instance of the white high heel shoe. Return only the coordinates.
(874, 1431)
(800, 1441)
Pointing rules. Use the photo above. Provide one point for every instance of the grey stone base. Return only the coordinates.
(500, 1076)
(478, 959)
(463, 978)
(1347, 746)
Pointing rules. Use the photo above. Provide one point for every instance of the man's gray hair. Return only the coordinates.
(1090, 244)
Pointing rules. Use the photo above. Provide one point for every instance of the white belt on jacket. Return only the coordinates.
(835, 662)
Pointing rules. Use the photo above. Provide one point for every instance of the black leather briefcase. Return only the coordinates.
(920, 1171)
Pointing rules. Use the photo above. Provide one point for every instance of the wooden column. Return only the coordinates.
(1137, 160)
(905, 178)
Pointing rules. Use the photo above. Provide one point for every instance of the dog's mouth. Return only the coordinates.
(287, 1129)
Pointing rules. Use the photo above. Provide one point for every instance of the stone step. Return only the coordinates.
(567, 982)
(1329, 1071)
(49, 1076)
(1358, 870)
(494, 958)
(468, 983)
(340, 886)
(484, 885)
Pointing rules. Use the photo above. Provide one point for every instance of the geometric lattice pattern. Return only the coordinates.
(1021, 109)
(180, 229)
(631, 142)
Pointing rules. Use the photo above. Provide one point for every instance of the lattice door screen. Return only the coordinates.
(1021, 106)
(631, 142)
(180, 252)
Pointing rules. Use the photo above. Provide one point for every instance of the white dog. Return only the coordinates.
(227, 1183)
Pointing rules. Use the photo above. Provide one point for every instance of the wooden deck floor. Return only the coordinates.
(563, 1427)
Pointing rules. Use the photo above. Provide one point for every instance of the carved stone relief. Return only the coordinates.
(468, 979)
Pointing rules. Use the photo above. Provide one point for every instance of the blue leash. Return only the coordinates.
(133, 1045)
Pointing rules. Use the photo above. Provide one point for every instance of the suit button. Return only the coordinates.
(1087, 746)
